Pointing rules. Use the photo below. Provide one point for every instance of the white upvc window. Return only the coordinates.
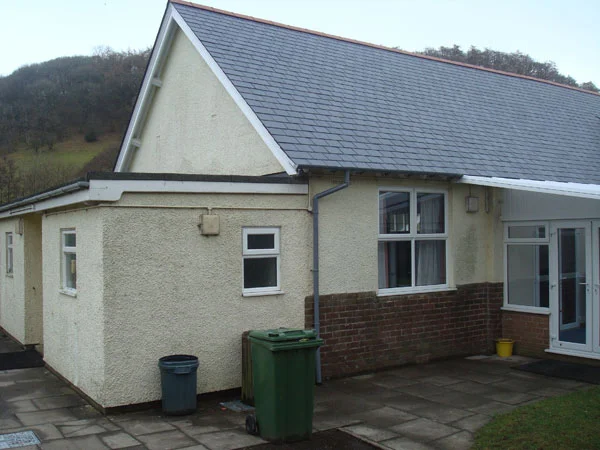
(526, 266)
(69, 261)
(9, 253)
(260, 255)
(412, 243)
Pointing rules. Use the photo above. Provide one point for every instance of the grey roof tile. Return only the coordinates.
(354, 106)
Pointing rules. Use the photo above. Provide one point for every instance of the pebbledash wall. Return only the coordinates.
(21, 291)
(170, 290)
(364, 331)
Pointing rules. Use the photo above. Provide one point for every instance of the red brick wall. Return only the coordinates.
(529, 331)
(363, 332)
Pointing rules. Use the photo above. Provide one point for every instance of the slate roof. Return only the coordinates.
(331, 103)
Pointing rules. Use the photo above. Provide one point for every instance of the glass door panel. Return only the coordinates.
(571, 314)
(572, 285)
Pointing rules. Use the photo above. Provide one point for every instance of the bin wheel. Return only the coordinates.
(251, 425)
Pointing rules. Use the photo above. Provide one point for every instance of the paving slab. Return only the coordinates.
(50, 416)
(61, 401)
(404, 443)
(119, 440)
(424, 430)
(442, 413)
(459, 441)
(384, 417)
(472, 423)
(138, 426)
(79, 443)
(166, 440)
(370, 432)
(225, 440)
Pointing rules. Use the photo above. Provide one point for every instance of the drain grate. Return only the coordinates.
(16, 440)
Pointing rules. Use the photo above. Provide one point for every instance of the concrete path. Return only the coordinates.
(437, 405)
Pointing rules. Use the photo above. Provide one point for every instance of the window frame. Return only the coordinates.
(524, 241)
(10, 253)
(64, 250)
(262, 253)
(413, 235)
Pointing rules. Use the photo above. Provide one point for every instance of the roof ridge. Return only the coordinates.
(381, 47)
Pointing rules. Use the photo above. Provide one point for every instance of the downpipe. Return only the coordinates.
(317, 321)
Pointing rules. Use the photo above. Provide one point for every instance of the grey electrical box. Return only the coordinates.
(472, 204)
(209, 224)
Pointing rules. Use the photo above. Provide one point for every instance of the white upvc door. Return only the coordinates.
(571, 285)
(596, 286)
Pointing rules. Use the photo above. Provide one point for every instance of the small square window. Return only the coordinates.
(9, 253)
(261, 273)
(69, 261)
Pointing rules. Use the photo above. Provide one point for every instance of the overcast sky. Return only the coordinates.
(564, 31)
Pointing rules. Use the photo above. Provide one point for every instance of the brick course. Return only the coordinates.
(363, 332)
(529, 331)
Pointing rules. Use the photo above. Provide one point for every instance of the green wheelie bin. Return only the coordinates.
(283, 365)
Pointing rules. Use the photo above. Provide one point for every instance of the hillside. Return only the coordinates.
(64, 116)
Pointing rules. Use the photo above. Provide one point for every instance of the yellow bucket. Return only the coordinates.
(504, 347)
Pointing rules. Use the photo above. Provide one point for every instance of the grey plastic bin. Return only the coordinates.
(178, 375)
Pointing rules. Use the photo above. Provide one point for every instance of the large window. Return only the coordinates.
(261, 261)
(412, 240)
(9, 253)
(527, 266)
(69, 261)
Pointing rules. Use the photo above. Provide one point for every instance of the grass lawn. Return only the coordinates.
(71, 152)
(567, 422)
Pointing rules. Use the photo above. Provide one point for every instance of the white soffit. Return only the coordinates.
(547, 187)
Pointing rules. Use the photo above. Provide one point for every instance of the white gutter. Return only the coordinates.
(547, 187)
(112, 190)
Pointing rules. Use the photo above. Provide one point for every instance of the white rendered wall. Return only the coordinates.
(194, 126)
(33, 285)
(349, 234)
(12, 304)
(170, 290)
(74, 326)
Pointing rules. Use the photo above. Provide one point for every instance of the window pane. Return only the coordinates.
(70, 240)
(261, 241)
(527, 274)
(9, 260)
(394, 212)
(70, 270)
(430, 264)
(527, 232)
(9, 239)
(430, 213)
(260, 272)
(394, 264)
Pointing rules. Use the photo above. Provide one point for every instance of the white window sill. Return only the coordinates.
(9, 275)
(527, 309)
(262, 294)
(68, 293)
(577, 353)
(413, 290)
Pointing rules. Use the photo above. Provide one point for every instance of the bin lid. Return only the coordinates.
(283, 334)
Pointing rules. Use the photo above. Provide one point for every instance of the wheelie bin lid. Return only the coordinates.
(285, 339)
(283, 334)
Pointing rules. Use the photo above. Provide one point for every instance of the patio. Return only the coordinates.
(436, 405)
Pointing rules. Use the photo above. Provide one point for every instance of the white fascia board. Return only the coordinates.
(547, 187)
(112, 190)
(289, 166)
(51, 203)
(147, 90)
